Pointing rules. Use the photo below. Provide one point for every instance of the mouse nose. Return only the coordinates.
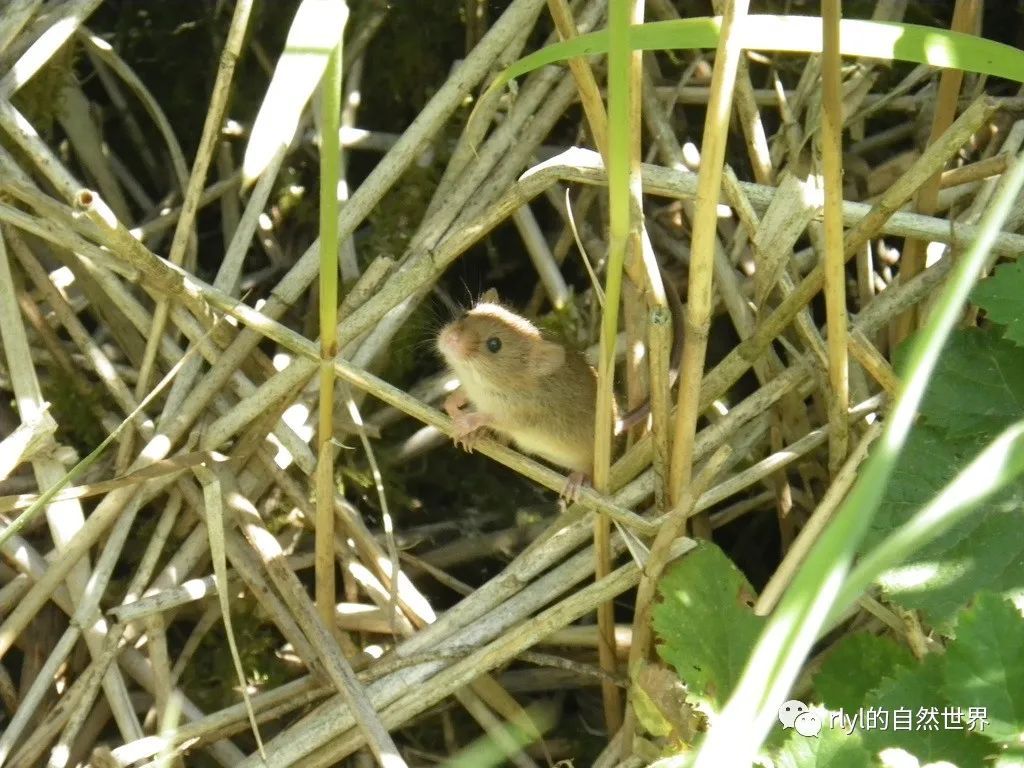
(449, 341)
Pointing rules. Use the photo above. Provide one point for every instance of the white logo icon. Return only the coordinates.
(789, 711)
(807, 724)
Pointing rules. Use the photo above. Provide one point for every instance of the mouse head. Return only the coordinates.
(492, 344)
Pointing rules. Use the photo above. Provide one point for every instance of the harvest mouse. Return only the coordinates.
(534, 391)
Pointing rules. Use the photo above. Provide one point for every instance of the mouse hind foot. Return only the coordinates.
(575, 483)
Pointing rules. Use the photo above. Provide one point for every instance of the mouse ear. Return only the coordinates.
(546, 357)
(490, 296)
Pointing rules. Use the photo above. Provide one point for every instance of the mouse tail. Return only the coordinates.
(631, 419)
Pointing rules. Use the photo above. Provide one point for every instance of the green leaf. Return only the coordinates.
(940, 584)
(984, 666)
(929, 463)
(314, 34)
(999, 295)
(978, 387)
(855, 666)
(704, 623)
(800, 34)
(832, 748)
(905, 696)
(976, 392)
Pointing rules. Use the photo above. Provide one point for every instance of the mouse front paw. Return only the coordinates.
(454, 403)
(468, 428)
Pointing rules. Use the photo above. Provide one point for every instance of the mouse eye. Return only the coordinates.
(494, 344)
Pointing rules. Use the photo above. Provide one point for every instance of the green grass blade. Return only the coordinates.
(330, 176)
(800, 34)
(315, 32)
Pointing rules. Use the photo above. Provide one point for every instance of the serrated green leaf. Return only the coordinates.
(939, 585)
(832, 748)
(984, 666)
(1000, 296)
(857, 665)
(978, 386)
(908, 692)
(1010, 583)
(704, 623)
(977, 391)
(929, 463)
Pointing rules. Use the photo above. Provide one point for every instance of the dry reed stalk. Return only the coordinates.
(966, 14)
